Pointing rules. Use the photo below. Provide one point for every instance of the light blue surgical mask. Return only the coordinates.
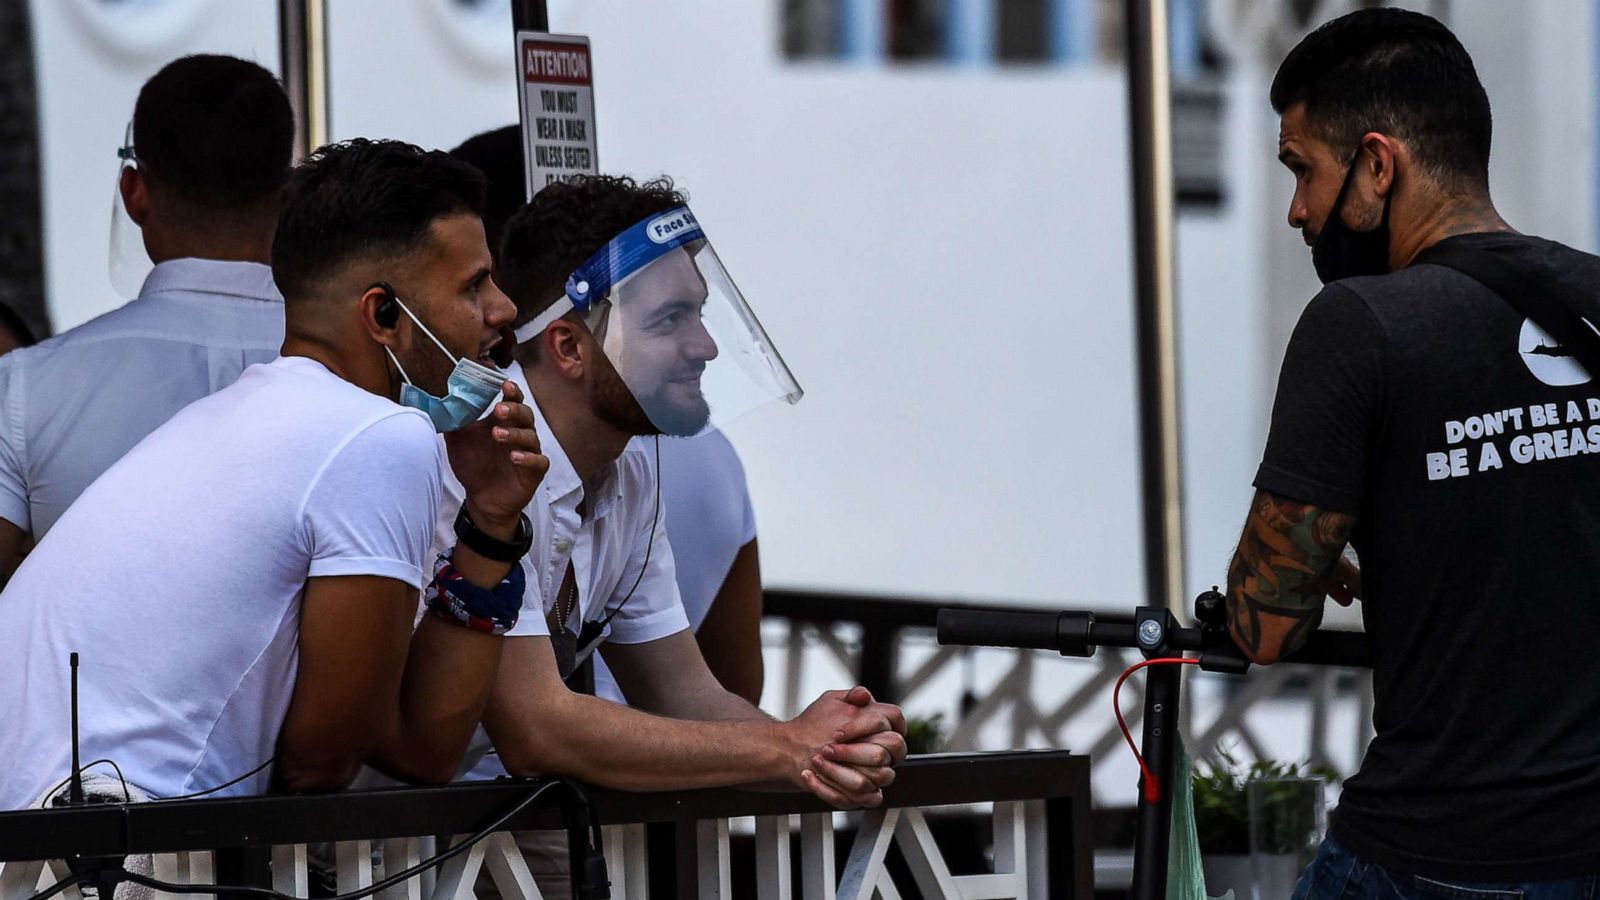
(471, 389)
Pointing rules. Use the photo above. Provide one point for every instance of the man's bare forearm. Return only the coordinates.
(1278, 579)
(449, 675)
(669, 677)
(688, 731)
(725, 706)
(619, 747)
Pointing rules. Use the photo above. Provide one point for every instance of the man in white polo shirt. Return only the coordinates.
(703, 489)
(623, 309)
(619, 353)
(241, 585)
(203, 180)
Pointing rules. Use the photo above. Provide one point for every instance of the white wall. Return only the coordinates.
(433, 72)
(940, 252)
(1536, 59)
(943, 255)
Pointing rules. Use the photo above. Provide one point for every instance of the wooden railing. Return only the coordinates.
(1040, 847)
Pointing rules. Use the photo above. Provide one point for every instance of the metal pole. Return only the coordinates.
(530, 15)
(1162, 686)
(1150, 133)
(303, 51)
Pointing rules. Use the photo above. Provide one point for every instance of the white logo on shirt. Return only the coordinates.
(1549, 362)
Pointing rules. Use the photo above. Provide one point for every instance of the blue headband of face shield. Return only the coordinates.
(616, 262)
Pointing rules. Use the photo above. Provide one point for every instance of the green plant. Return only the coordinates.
(925, 734)
(1221, 806)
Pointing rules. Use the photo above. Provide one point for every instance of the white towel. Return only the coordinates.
(102, 788)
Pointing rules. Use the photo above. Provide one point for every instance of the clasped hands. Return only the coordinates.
(851, 744)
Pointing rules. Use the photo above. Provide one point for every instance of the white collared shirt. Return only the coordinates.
(73, 405)
(607, 549)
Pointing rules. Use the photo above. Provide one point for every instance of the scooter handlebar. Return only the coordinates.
(988, 628)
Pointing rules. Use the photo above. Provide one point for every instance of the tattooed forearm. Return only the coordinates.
(1279, 575)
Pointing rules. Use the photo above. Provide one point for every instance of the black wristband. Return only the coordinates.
(491, 547)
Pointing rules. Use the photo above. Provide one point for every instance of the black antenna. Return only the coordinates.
(75, 792)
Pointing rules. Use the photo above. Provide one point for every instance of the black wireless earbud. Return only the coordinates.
(388, 312)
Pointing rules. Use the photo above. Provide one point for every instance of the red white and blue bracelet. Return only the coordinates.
(451, 596)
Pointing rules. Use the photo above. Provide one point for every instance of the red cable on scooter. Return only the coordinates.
(1152, 786)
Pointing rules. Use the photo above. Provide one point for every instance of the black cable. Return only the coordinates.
(59, 886)
(655, 520)
(126, 796)
(396, 878)
(173, 888)
(222, 786)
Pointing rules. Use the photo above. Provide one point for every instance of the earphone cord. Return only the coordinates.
(655, 521)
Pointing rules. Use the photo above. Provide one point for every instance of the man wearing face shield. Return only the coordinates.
(1432, 412)
(242, 585)
(625, 317)
(702, 481)
(198, 192)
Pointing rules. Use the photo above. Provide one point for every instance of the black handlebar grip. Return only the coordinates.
(985, 628)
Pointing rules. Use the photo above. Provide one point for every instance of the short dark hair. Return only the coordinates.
(1396, 72)
(498, 155)
(564, 224)
(365, 199)
(215, 134)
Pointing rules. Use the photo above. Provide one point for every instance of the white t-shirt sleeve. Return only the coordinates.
(371, 509)
(655, 610)
(530, 620)
(13, 476)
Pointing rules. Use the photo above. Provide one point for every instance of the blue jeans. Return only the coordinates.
(1338, 874)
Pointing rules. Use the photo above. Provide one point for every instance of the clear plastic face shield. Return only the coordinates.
(128, 263)
(674, 326)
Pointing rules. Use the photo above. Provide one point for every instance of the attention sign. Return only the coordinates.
(557, 99)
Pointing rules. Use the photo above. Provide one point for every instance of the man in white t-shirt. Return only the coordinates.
(602, 564)
(241, 585)
(203, 180)
(713, 537)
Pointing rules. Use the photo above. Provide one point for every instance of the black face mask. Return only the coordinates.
(1340, 252)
